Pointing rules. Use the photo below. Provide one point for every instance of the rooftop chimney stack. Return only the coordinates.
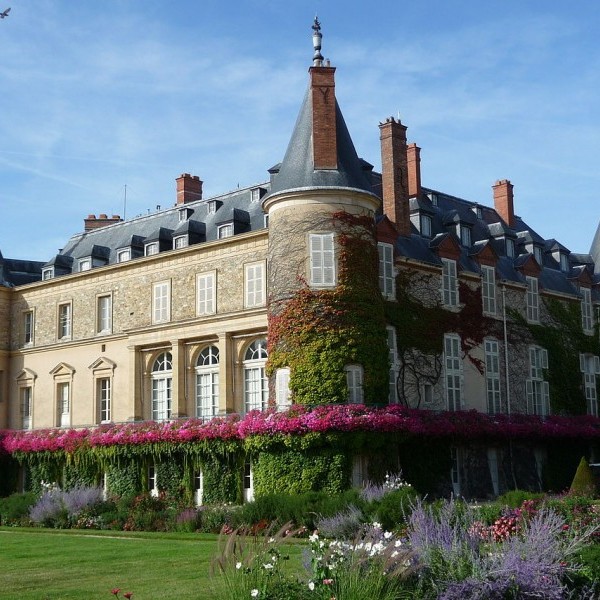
(322, 90)
(394, 174)
(413, 157)
(503, 201)
(91, 222)
(189, 188)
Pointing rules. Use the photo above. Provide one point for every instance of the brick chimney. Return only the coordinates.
(394, 174)
(413, 159)
(322, 89)
(503, 200)
(91, 222)
(189, 188)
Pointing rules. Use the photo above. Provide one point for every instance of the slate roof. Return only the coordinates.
(297, 171)
(19, 272)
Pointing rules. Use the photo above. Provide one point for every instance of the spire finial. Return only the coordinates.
(317, 36)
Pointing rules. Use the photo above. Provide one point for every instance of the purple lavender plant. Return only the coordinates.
(47, 508)
(81, 498)
(344, 525)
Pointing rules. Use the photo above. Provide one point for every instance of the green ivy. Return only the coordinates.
(125, 478)
(170, 475)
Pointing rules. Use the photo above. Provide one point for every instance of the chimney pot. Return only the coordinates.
(504, 201)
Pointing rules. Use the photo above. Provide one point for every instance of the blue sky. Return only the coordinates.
(98, 95)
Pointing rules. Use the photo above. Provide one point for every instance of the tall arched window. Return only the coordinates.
(256, 385)
(207, 383)
(162, 385)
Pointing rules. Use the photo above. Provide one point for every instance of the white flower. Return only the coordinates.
(394, 553)
(254, 593)
(267, 566)
(313, 538)
(387, 535)
(397, 543)
(376, 525)
(238, 565)
(311, 586)
(271, 540)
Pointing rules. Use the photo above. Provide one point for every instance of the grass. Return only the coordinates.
(42, 564)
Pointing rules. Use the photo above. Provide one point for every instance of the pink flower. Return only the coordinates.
(327, 581)
(115, 591)
(128, 595)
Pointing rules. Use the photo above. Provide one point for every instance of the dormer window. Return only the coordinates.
(212, 207)
(181, 241)
(255, 195)
(225, 231)
(477, 210)
(48, 273)
(465, 235)
(433, 198)
(151, 249)
(184, 214)
(537, 253)
(85, 264)
(564, 263)
(123, 255)
(426, 225)
(510, 248)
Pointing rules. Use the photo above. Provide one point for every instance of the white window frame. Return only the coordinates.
(104, 391)
(26, 400)
(538, 255)
(488, 290)
(161, 301)
(123, 255)
(453, 372)
(85, 264)
(104, 313)
(564, 262)
(248, 481)
(322, 260)
(492, 376)
(354, 382)
(65, 320)
(282, 389)
(47, 273)
(449, 283)
(254, 284)
(465, 235)
(509, 245)
(151, 249)
(206, 293)
(256, 383)
(255, 195)
(225, 231)
(152, 480)
(180, 241)
(387, 283)
(199, 487)
(587, 312)
(589, 365)
(394, 364)
(207, 383)
(63, 400)
(28, 327)
(532, 299)
(537, 390)
(162, 387)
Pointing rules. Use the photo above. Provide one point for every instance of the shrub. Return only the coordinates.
(345, 525)
(60, 509)
(515, 498)
(220, 518)
(583, 483)
(392, 509)
(15, 508)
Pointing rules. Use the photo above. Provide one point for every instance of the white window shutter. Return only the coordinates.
(582, 362)
(530, 399)
(544, 358)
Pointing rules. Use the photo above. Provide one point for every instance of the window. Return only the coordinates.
(590, 367)
(254, 284)
(181, 241)
(85, 264)
(386, 270)
(465, 235)
(587, 315)
(510, 248)
(26, 407)
(393, 358)
(104, 398)
(64, 321)
(564, 262)
(63, 402)
(453, 372)
(449, 283)
(104, 315)
(492, 376)
(161, 302)
(48, 273)
(433, 198)
(537, 253)
(532, 300)
(151, 249)
(123, 255)
(211, 207)
(256, 385)
(28, 328)
(426, 225)
(322, 263)
(538, 390)
(205, 285)
(488, 289)
(199, 487)
(152, 481)
(282, 389)
(354, 381)
(255, 195)
(162, 383)
(455, 470)
(225, 231)
(248, 482)
(207, 383)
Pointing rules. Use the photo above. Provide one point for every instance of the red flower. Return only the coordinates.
(115, 591)
(128, 595)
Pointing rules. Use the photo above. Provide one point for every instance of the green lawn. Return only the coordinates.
(41, 564)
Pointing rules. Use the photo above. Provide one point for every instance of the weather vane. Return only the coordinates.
(317, 37)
